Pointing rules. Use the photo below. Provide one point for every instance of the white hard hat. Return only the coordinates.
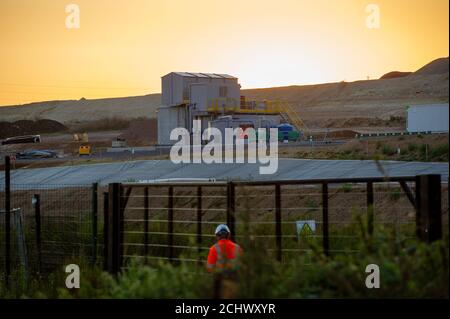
(222, 228)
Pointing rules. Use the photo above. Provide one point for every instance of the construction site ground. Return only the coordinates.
(401, 148)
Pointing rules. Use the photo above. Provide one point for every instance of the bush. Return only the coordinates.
(439, 152)
(388, 150)
(412, 147)
(395, 195)
(347, 188)
(408, 269)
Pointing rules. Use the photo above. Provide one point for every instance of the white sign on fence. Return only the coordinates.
(304, 225)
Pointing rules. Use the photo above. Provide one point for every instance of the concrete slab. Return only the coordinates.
(289, 169)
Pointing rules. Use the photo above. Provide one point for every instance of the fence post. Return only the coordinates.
(418, 213)
(37, 215)
(278, 221)
(370, 209)
(121, 228)
(199, 218)
(94, 221)
(325, 242)
(429, 209)
(230, 209)
(170, 224)
(145, 221)
(7, 219)
(105, 230)
(114, 229)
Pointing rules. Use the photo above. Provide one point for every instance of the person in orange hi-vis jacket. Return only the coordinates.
(224, 260)
(224, 255)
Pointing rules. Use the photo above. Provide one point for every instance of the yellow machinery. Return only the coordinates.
(84, 150)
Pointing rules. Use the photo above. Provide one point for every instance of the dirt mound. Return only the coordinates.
(27, 127)
(355, 122)
(141, 132)
(343, 134)
(365, 122)
(437, 66)
(49, 126)
(395, 74)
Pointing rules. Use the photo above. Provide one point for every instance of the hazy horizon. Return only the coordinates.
(123, 48)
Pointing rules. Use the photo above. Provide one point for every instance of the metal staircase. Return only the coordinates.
(291, 116)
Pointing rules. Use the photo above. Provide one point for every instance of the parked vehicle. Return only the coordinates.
(84, 150)
(36, 154)
(22, 139)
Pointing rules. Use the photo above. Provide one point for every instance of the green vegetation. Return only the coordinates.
(439, 152)
(388, 150)
(347, 187)
(411, 152)
(408, 269)
(425, 152)
(395, 195)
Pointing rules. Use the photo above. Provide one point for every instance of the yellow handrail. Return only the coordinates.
(285, 109)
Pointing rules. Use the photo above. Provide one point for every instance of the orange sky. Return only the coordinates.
(123, 47)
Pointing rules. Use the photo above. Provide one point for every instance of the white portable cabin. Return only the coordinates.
(427, 118)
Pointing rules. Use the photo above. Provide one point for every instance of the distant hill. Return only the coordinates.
(394, 74)
(84, 109)
(381, 98)
(373, 98)
(438, 66)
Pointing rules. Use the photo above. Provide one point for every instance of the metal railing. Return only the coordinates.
(168, 220)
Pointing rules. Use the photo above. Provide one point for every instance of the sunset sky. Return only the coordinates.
(123, 47)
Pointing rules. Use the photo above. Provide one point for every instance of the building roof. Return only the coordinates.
(203, 75)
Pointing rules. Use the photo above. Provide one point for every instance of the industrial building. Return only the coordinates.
(427, 118)
(216, 100)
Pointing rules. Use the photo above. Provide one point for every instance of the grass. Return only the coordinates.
(432, 148)
(408, 269)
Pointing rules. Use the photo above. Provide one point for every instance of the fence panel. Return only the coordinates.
(176, 222)
(50, 224)
(57, 224)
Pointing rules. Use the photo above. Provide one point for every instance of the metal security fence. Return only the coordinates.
(43, 227)
(49, 225)
(176, 221)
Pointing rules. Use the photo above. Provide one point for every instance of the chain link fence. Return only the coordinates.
(49, 226)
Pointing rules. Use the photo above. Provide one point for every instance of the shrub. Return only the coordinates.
(408, 269)
(412, 147)
(395, 195)
(439, 151)
(388, 150)
(347, 188)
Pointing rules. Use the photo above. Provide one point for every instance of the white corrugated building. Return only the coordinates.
(188, 96)
(179, 87)
(427, 118)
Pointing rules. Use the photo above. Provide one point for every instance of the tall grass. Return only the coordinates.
(408, 269)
